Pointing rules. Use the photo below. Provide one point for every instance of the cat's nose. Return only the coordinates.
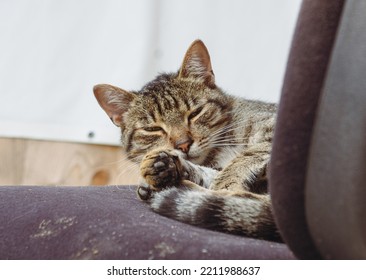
(183, 145)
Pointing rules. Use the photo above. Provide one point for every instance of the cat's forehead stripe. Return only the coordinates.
(166, 103)
(157, 103)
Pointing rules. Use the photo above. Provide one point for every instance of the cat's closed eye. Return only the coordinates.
(153, 129)
(195, 113)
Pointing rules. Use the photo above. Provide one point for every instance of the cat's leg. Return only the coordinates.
(145, 191)
(163, 168)
(200, 175)
(245, 170)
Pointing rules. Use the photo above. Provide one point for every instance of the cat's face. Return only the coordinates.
(183, 111)
(175, 114)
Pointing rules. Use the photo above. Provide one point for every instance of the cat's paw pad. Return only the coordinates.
(161, 169)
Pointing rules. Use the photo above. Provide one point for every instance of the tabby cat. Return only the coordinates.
(203, 154)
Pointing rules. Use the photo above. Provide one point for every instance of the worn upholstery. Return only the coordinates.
(109, 223)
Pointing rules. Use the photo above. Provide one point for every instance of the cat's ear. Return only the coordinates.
(114, 101)
(197, 64)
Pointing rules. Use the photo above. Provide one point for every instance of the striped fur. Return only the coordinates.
(203, 154)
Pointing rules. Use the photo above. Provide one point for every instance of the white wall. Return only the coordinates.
(53, 52)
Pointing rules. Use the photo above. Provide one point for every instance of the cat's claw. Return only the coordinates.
(144, 193)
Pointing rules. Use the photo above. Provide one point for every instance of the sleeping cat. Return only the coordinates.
(203, 154)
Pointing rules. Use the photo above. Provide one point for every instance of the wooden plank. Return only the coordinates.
(33, 162)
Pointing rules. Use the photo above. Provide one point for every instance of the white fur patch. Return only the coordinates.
(188, 203)
(228, 154)
(242, 213)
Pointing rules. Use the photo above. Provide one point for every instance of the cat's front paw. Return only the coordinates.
(161, 168)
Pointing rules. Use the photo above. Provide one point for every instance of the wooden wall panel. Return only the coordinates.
(33, 162)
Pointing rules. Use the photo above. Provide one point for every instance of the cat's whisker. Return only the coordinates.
(225, 139)
(224, 131)
(128, 164)
(122, 159)
(125, 169)
(136, 159)
(220, 146)
(234, 123)
(229, 141)
(231, 145)
(228, 128)
(128, 169)
(220, 142)
(227, 144)
(223, 134)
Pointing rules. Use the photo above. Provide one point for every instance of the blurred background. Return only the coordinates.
(53, 132)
